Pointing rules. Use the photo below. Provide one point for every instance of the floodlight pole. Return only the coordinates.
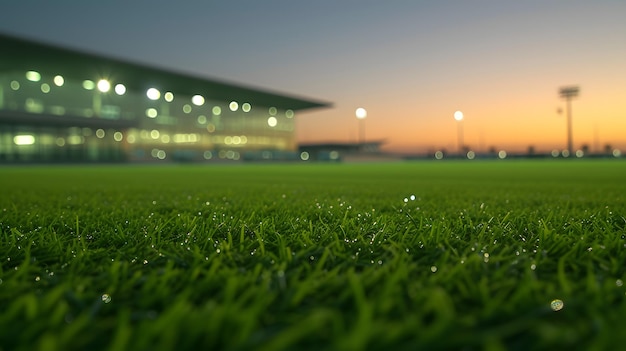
(568, 93)
(361, 113)
(460, 136)
(458, 116)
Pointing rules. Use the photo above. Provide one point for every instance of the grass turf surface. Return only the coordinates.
(425, 255)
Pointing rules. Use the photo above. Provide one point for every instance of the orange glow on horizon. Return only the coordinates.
(514, 122)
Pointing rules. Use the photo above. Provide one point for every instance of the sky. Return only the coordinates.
(410, 63)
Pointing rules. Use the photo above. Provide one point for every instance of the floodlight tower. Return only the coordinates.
(361, 113)
(568, 93)
(458, 116)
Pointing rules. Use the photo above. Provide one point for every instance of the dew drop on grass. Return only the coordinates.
(433, 269)
(37, 278)
(106, 298)
(619, 283)
(533, 266)
(556, 305)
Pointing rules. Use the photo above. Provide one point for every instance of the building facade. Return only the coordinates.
(61, 105)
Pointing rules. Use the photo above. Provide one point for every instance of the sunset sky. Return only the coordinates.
(410, 63)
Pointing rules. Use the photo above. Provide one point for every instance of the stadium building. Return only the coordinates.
(61, 105)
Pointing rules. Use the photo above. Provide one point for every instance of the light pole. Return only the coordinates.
(361, 113)
(458, 116)
(568, 93)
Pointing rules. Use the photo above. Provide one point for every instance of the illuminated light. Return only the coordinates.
(152, 112)
(104, 86)
(439, 155)
(565, 153)
(131, 139)
(236, 156)
(228, 140)
(25, 139)
(165, 138)
(46, 139)
(580, 153)
(246, 107)
(153, 94)
(210, 127)
(120, 89)
(154, 134)
(153, 153)
(100, 133)
(161, 155)
(334, 155)
(555, 153)
(502, 154)
(33, 76)
(197, 100)
(58, 80)
(75, 139)
(169, 97)
(557, 305)
(233, 106)
(45, 88)
(33, 105)
(57, 110)
(185, 138)
(15, 85)
(230, 154)
(187, 108)
(617, 153)
(458, 115)
(273, 111)
(471, 155)
(60, 142)
(289, 114)
(236, 140)
(272, 121)
(117, 136)
(304, 156)
(201, 119)
(361, 113)
(222, 154)
(216, 110)
(89, 84)
(208, 155)
(244, 139)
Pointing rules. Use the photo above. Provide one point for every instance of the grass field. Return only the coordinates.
(428, 255)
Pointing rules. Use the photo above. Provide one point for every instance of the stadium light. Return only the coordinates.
(568, 93)
(458, 116)
(361, 113)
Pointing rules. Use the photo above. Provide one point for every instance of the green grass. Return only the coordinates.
(320, 256)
